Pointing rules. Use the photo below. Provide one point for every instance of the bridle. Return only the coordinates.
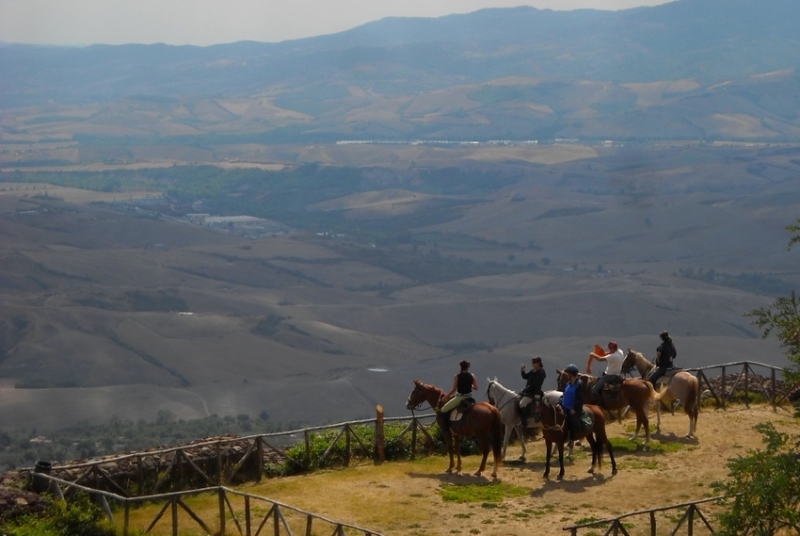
(491, 398)
(417, 407)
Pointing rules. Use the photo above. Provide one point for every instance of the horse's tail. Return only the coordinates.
(656, 395)
(497, 438)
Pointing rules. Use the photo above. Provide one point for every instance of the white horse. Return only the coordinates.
(507, 401)
(674, 385)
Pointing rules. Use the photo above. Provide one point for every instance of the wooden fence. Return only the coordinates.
(691, 514)
(247, 518)
(724, 389)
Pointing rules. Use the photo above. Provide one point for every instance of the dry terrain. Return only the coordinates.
(403, 498)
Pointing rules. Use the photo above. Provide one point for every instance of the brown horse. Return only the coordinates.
(553, 417)
(633, 392)
(674, 385)
(481, 421)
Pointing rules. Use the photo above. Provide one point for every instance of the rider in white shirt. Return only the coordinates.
(613, 372)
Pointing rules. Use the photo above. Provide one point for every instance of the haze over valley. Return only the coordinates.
(606, 176)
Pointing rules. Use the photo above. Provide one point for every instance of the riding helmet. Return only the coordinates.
(572, 369)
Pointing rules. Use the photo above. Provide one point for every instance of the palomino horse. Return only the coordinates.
(553, 417)
(678, 385)
(632, 392)
(481, 421)
(507, 402)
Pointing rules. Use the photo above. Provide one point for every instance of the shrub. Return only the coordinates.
(77, 518)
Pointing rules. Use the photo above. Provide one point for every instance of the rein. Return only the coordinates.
(556, 426)
(500, 407)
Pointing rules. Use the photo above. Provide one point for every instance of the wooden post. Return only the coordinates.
(140, 473)
(247, 523)
(259, 458)
(308, 448)
(724, 394)
(652, 523)
(774, 395)
(174, 501)
(690, 527)
(380, 438)
(347, 445)
(276, 520)
(747, 385)
(309, 520)
(414, 439)
(221, 495)
(220, 479)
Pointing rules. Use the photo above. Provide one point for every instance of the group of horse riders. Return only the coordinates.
(464, 383)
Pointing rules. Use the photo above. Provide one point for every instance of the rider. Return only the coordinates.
(665, 353)
(572, 402)
(533, 387)
(613, 372)
(463, 384)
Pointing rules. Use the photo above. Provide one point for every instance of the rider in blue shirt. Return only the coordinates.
(572, 402)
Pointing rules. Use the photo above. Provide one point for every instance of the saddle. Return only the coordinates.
(458, 413)
(611, 390)
(587, 420)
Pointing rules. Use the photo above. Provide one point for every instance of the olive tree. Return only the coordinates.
(763, 490)
(783, 319)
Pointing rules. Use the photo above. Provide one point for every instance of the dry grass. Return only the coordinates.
(404, 498)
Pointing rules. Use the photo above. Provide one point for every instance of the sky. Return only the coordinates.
(208, 22)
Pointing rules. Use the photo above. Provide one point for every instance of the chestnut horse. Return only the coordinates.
(674, 385)
(481, 421)
(633, 392)
(553, 417)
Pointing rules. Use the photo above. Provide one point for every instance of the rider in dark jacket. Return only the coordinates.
(665, 353)
(533, 388)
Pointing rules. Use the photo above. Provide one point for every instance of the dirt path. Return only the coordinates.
(404, 499)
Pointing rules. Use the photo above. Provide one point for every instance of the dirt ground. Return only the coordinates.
(404, 499)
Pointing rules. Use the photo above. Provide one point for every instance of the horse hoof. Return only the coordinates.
(560, 478)
(591, 470)
(614, 471)
(522, 458)
(449, 471)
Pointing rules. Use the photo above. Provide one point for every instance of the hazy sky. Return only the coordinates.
(207, 22)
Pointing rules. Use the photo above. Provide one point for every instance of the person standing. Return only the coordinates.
(613, 372)
(533, 387)
(665, 353)
(463, 384)
(572, 402)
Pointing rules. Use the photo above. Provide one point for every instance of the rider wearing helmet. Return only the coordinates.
(572, 401)
(613, 372)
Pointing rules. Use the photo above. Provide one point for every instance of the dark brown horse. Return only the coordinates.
(481, 421)
(633, 392)
(552, 418)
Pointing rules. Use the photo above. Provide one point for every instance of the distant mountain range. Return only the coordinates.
(697, 69)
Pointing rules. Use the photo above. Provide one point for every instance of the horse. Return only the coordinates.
(553, 418)
(675, 385)
(507, 402)
(482, 421)
(633, 392)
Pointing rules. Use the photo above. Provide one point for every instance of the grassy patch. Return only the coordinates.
(481, 493)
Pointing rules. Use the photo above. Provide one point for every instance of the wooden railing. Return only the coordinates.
(214, 463)
(691, 513)
(247, 518)
(724, 391)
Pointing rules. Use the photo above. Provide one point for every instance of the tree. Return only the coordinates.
(764, 488)
(783, 318)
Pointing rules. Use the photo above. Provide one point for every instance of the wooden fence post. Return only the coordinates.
(221, 495)
(380, 438)
(347, 445)
(774, 392)
(308, 448)
(747, 385)
(247, 521)
(259, 458)
(414, 439)
(724, 395)
(174, 505)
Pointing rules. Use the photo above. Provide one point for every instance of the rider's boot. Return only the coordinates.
(523, 412)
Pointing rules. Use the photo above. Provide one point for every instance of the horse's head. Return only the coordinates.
(419, 395)
(629, 362)
(489, 385)
(562, 378)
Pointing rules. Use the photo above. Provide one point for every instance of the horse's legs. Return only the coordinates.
(483, 443)
(560, 460)
(458, 452)
(595, 453)
(448, 439)
(521, 436)
(549, 448)
(507, 437)
(610, 455)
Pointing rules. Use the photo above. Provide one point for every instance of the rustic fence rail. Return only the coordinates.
(247, 518)
(747, 380)
(691, 514)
